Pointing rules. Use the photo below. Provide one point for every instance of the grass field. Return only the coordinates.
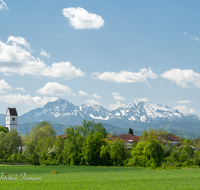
(86, 177)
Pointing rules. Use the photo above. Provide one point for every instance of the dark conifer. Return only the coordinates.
(130, 131)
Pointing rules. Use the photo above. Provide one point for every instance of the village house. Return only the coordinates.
(174, 140)
(128, 139)
(62, 136)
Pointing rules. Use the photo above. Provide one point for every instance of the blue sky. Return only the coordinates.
(104, 52)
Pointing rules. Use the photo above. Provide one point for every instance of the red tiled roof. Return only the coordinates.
(128, 137)
(62, 136)
(173, 138)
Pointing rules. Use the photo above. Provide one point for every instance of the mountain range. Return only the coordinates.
(138, 115)
(65, 112)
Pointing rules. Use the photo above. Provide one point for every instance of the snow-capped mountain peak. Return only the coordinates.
(65, 112)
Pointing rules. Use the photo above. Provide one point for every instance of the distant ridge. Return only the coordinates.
(185, 129)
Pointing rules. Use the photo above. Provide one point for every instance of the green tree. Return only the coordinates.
(42, 148)
(89, 127)
(3, 129)
(158, 134)
(119, 153)
(2, 144)
(12, 141)
(92, 149)
(73, 145)
(130, 131)
(105, 153)
(37, 134)
(76, 138)
(59, 147)
(148, 154)
(39, 131)
(144, 136)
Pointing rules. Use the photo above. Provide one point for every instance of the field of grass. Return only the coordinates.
(86, 177)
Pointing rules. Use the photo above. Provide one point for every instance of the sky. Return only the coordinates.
(100, 52)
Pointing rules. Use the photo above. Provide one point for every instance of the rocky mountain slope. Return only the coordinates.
(63, 111)
(148, 112)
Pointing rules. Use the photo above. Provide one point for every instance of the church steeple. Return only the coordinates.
(11, 118)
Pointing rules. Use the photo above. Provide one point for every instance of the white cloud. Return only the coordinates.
(44, 53)
(16, 59)
(141, 99)
(3, 5)
(26, 99)
(20, 88)
(4, 87)
(17, 41)
(115, 106)
(184, 109)
(82, 93)
(116, 96)
(96, 96)
(126, 76)
(73, 94)
(195, 38)
(182, 77)
(192, 110)
(79, 18)
(92, 102)
(54, 88)
(184, 101)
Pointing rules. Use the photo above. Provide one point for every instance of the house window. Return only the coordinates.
(7, 119)
(13, 119)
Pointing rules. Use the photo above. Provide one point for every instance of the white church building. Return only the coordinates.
(11, 118)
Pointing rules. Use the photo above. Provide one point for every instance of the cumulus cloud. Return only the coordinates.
(26, 99)
(79, 18)
(184, 101)
(126, 76)
(54, 88)
(116, 96)
(184, 109)
(15, 58)
(92, 102)
(82, 93)
(17, 41)
(115, 106)
(96, 96)
(4, 87)
(3, 5)
(182, 77)
(20, 88)
(44, 53)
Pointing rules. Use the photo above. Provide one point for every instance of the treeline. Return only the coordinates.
(89, 144)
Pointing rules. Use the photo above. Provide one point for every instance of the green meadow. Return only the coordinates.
(89, 177)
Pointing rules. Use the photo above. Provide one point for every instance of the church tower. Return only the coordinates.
(11, 118)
